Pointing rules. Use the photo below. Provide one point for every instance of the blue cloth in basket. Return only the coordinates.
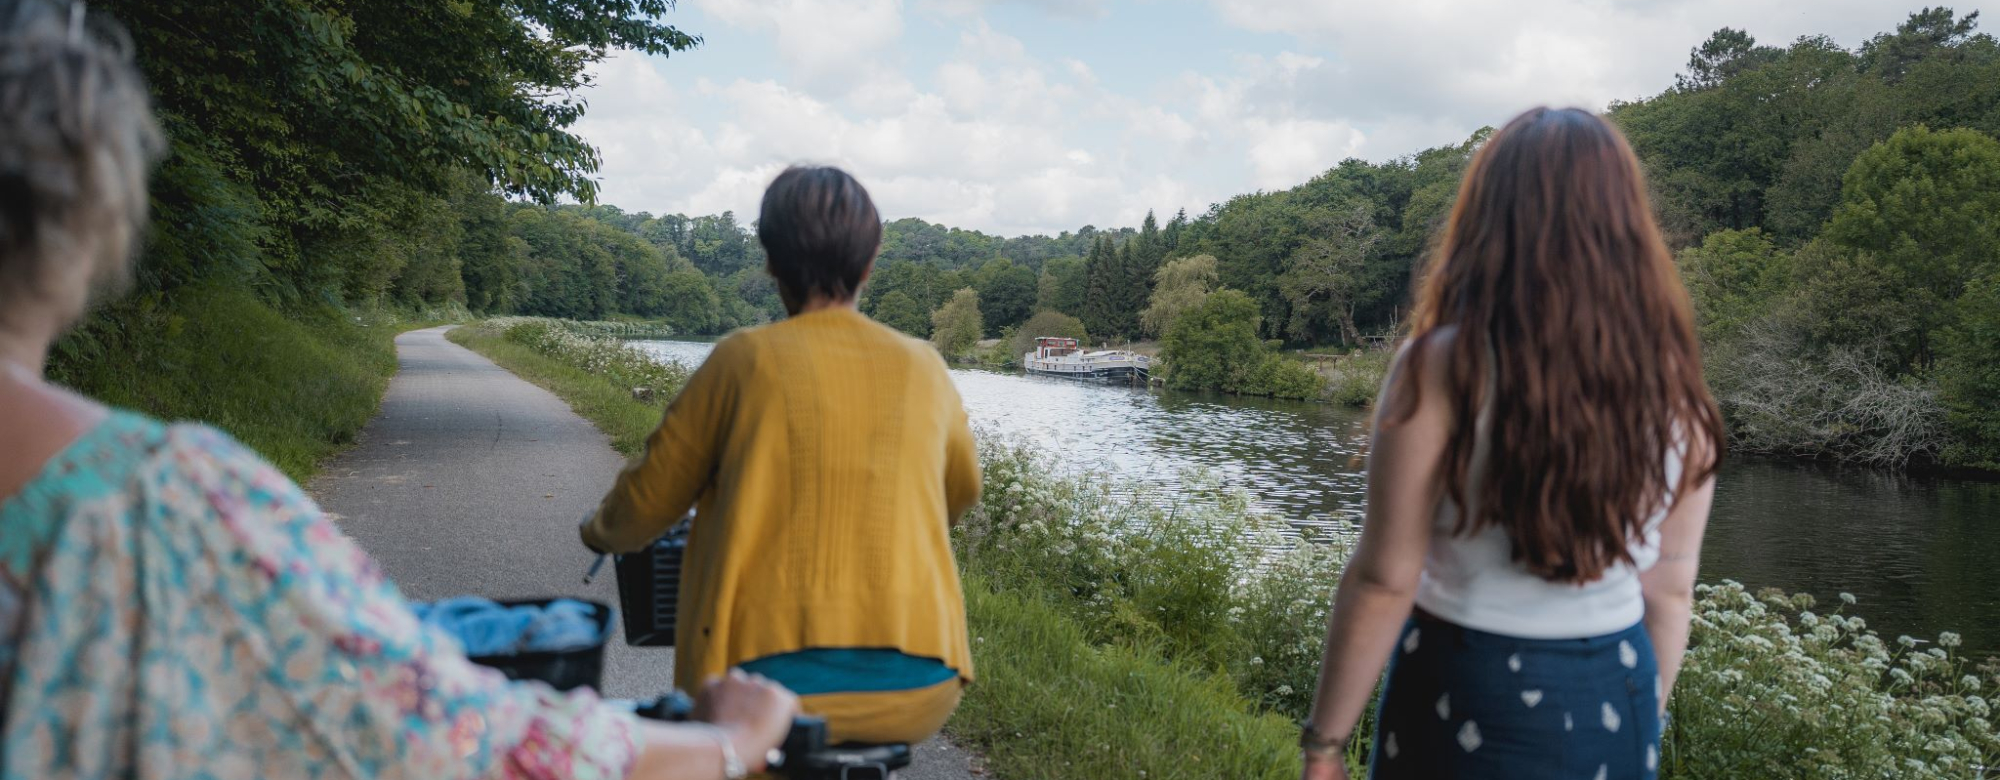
(486, 628)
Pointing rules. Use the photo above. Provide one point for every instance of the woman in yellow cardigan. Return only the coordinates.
(829, 455)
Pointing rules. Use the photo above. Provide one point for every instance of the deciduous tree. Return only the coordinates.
(957, 326)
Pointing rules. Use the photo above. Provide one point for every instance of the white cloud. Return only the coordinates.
(828, 45)
(1284, 149)
(1082, 9)
(1475, 63)
(951, 119)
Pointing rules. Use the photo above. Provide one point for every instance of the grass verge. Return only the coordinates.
(294, 386)
(605, 402)
(1051, 704)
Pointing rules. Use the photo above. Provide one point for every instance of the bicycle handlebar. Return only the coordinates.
(805, 754)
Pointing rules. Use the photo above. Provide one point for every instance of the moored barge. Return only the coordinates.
(1064, 357)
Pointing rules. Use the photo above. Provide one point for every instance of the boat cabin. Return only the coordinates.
(1050, 346)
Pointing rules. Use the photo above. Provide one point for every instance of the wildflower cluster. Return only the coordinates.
(586, 346)
(1773, 689)
(1199, 577)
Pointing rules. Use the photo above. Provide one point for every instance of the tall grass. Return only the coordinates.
(1355, 380)
(1125, 634)
(597, 375)
(1052, 704)
(295, 386)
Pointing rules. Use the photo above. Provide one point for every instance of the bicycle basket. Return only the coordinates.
(649, 588)
(561, 669)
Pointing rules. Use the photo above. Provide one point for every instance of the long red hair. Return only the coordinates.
(1565, 304)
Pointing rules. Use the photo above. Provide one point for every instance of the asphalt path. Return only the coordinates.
(471, 480)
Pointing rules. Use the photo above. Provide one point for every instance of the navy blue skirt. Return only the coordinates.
(1461, 703)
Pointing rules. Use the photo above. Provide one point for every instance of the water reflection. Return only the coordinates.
(1918, 552)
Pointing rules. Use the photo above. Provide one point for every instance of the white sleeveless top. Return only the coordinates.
(1473, 581)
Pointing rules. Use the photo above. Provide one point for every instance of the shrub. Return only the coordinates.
(1214, 346)
(1282, 377)
(1357, 379)
(957, 325)
(1200, 578)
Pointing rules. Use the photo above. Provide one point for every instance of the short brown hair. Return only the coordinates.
(820, 230)
(76, 141)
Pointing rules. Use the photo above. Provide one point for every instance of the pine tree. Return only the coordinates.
(1132, 286)
(1149, 252)
(1172, 234)
(1100, 283)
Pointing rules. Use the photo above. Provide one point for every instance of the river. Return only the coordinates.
(1921, 553)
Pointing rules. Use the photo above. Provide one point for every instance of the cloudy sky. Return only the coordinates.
(1036, 116)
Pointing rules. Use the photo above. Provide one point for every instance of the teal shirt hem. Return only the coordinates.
(850, 670)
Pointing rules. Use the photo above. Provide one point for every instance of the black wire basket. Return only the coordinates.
(649, 588)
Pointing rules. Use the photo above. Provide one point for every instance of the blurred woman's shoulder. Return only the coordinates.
(135, 474)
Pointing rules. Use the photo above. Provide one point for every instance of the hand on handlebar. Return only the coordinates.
(584, 535)
(755, 712)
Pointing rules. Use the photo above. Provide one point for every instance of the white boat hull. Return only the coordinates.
(1104, 366)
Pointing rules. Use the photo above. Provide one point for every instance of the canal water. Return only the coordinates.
(1921, 553)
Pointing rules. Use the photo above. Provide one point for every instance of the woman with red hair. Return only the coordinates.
(1540, 478)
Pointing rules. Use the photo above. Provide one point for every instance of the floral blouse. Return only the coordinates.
(172, 607)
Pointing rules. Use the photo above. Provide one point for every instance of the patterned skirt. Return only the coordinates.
(1461, 703)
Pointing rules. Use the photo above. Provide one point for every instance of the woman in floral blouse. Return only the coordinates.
(173, 607)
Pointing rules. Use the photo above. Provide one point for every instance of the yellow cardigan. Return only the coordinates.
(830, 455)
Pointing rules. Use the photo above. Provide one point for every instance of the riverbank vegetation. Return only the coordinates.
(1125, 634)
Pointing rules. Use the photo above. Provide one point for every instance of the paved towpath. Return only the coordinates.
(471, 480)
